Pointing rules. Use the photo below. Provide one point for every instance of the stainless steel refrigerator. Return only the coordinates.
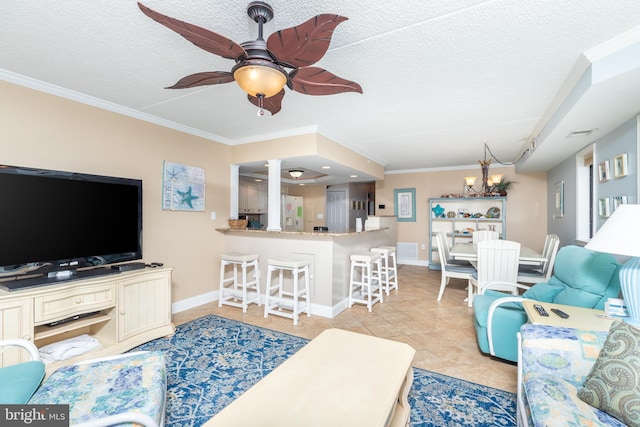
(292, 213)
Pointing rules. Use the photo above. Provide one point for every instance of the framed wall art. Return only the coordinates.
(604, 210)
(603, 171)
(620, 165)
(405, 206)
(183, 187)
(619, 200)
(559, 199)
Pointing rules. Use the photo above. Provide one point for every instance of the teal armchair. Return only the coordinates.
(19, 381)
(582, 278)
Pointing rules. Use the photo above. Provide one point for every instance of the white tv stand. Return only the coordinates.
(132, 308)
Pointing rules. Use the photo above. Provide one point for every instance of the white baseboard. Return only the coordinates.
(419, 262)
(210, 297)
(192, 302)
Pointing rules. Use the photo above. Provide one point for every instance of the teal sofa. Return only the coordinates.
(581, 278)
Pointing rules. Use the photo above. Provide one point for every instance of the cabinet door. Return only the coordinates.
(243, 197)
(263, 198)
(252, 198)
(16, 321)
(144, 303)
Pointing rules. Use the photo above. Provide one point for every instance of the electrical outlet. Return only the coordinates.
(423, 246)
(213, 215)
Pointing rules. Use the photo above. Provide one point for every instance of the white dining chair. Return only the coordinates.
(446, 251)
(480, 235)
(542, 273)
(497, 266)
(450, 270)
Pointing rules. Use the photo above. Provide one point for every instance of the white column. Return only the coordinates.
(234, 190)
(273, 223)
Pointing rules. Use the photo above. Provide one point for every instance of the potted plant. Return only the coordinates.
(504, 185)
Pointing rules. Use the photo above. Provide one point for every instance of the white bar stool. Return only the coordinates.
(365, 284)
(389, 267)
(236, 292)
(288, 300)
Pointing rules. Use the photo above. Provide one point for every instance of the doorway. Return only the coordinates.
(337, 211)
(584, 195)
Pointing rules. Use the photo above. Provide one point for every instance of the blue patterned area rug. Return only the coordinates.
(213, 360)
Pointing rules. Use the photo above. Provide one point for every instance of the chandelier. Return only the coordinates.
(489, 182)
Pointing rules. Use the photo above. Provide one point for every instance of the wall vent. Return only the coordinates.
(407, 250)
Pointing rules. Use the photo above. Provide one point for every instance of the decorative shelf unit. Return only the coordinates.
(459, 228)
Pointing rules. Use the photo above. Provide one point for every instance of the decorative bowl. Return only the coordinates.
(493, 212)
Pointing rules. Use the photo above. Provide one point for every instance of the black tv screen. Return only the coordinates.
(55, 220)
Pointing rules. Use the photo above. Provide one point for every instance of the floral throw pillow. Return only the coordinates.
(613, 386)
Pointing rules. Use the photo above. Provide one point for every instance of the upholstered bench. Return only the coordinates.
(127, 388)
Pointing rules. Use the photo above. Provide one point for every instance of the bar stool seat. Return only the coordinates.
(365, 284)
(389, 267)
(237, 290)
(277, 298)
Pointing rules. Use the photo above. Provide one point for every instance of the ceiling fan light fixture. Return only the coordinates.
(260, 64)
(258, 77)
(296, 173)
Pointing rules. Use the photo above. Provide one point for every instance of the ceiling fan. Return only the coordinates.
(260, 68)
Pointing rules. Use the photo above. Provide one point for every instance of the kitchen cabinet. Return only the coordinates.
(460, 217)
(253, 197)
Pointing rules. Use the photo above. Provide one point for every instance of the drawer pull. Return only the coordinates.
(78, 300)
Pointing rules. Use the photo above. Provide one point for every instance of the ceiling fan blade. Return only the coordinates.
(204, 39)
(317, 81)
(203, 79)
(273, 104)
(304, 44)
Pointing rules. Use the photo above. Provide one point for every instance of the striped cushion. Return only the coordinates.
(459, 268)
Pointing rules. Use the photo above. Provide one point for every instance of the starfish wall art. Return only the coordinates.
(182, 187)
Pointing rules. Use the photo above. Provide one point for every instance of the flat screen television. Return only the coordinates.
(57, 225)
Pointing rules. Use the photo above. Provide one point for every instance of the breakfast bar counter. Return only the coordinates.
(327, 253)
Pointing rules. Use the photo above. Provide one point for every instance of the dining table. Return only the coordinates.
(468, 252)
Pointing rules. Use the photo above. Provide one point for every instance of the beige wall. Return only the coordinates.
(41, 130)
(526, 203)
(312, 144)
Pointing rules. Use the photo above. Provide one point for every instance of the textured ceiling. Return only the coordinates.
(439, 77)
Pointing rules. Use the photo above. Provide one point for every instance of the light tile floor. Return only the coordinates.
(441, 333)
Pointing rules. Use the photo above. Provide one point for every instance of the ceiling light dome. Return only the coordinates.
(259, 77)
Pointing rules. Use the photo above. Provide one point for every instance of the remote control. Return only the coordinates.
(541, 310)
(560, 313)
(154, 265)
